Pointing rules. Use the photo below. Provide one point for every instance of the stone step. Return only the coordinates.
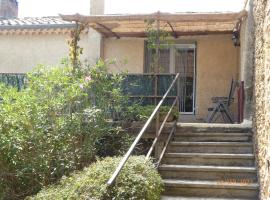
(192, 188)
(207, 128)
(217, 173)
(209, 159)
(195, 198)
(213, 137)
(211, 147)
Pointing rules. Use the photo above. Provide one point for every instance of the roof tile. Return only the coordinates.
(33, 21)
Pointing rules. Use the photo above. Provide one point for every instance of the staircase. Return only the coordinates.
(207, 162)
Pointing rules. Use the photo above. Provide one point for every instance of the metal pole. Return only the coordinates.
(156, 82)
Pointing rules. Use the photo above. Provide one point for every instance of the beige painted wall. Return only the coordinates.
(127, 53)
(21, 53)
(217, 64)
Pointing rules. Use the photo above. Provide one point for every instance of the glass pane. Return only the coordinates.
(184, 64)
(164, 60)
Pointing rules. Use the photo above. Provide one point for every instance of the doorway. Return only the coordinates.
(178, 58)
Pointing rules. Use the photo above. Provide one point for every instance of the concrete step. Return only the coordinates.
(163, 197)
(217, 173)
(192, 188)
(211, 147)
(209, 159)
(207, 128)
(213, 137)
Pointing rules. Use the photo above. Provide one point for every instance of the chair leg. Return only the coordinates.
(211, 116)
(223, 117)
(227, 113)
(217, 117)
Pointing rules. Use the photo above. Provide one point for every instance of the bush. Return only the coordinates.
(50, 128)
(138, 181)
(140, 113)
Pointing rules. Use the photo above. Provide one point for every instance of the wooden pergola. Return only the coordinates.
(179, 24)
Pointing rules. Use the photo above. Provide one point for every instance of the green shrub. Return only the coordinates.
(50, 128)
(139, 180)
(140, 113)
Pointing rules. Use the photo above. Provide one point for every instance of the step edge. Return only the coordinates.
(204, 168)
(163, 197)
(213, 134)
(207, 184)
(209, 155)
(212, 143)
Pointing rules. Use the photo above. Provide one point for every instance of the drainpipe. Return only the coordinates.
(95, 39)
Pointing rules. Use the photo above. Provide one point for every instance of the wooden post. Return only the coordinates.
(178, 94)
(158, 148)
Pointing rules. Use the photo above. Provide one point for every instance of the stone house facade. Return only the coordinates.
(24, 43)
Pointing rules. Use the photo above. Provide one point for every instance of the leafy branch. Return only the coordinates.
(74, 49)
(156, 39)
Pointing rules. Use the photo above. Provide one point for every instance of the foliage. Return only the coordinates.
(74, 49)
(140, 113)
(138, 180)
(153, 36)
(51, 127)
(157, 39)
(111, 143)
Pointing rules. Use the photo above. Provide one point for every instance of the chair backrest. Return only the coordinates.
(233, 87)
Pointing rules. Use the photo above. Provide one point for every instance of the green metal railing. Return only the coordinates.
(15, 80)
(159, 129)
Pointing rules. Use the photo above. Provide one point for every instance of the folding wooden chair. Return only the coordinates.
(222, 106)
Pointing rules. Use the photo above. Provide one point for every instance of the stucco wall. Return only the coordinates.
(217, 63)
(21, 53)
(262, 94)
(127, 53)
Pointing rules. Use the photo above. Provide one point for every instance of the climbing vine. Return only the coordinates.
(157, 38)
(75, 51)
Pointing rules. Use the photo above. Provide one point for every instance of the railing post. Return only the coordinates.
(157, 151)
(177, 93)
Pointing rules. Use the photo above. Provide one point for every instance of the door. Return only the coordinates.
(178, 58)
(184, 64)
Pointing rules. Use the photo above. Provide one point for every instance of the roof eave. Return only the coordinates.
(37, 26)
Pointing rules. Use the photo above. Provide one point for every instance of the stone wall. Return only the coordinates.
(262, 94)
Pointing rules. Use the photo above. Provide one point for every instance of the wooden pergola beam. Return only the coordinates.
(109, 30)
(179, 33)
(173, 31)
(181, 17)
